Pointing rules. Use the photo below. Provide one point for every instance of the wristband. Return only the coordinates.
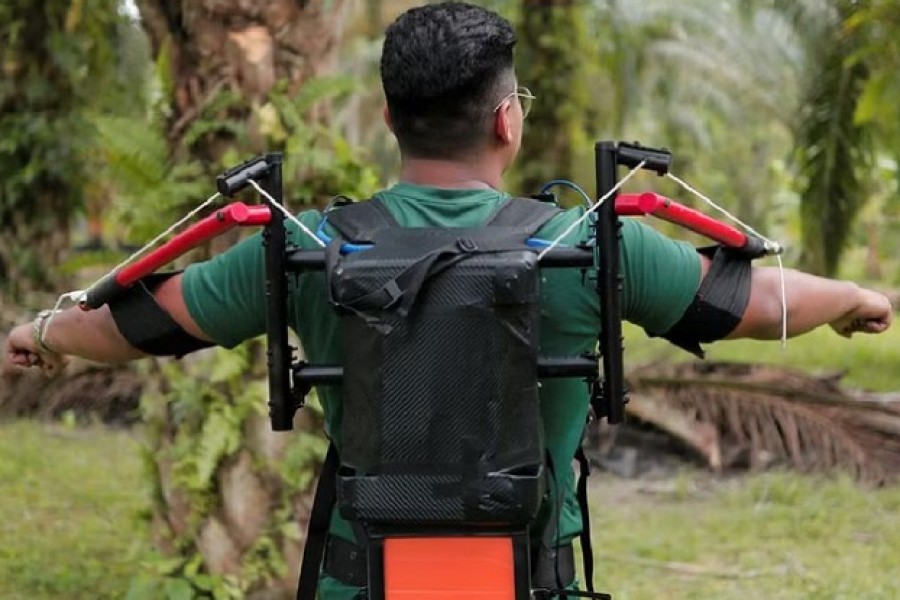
(38, 326)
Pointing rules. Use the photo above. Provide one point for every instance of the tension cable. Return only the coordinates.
(286, 212)
(591, 210)
(78, 296)
(772, 247)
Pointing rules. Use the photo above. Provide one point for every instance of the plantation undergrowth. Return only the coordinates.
(70, 500)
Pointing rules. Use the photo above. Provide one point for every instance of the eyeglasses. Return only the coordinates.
(525, 99)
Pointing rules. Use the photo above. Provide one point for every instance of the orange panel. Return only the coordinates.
(449, 568)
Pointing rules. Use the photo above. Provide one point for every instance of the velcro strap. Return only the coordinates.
(358, 222)
(523, 213)
(345, 561)
(552, 566)
(146, 325)
(719, 304)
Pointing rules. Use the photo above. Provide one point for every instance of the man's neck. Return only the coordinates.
(450, 174)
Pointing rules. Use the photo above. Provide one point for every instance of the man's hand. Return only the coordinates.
(872, 314)
(22, 351)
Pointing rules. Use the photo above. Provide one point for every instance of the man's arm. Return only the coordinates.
(221, 300)
(93, 334)
(811, 301)
(695, 297)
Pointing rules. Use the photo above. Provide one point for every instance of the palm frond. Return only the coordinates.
(832, 149)
(777, 415)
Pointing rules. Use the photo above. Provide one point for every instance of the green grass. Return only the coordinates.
(777, 536)
(870, 361)
(69, 500)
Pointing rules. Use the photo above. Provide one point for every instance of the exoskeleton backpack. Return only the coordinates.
(442, 469)
(440, 391)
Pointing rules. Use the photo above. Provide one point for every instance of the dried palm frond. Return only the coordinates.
(771, 414)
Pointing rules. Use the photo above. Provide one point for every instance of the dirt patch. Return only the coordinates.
(90, 392)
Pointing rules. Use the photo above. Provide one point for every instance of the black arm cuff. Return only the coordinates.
(146, 326)
(719, 304)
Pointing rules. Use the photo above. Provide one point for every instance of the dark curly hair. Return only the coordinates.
(444, 67)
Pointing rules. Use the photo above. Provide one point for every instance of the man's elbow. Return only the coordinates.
(763, 319)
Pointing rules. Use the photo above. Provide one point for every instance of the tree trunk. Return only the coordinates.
(54, 58)
(232, 496)
(551, 58)
(212, 46)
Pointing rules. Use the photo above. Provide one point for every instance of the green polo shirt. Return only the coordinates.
(226, 298)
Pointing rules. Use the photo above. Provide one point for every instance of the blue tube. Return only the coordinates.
(346, 248)
(570, 185)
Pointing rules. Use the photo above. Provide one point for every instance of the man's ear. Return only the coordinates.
(386, 113)
(503, 126)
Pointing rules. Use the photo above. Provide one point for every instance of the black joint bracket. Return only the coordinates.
(631, 155)
(237, 178)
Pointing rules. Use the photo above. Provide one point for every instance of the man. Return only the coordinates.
(454, 104)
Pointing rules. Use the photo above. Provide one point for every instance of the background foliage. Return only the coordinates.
(783, 111)
(56, 59)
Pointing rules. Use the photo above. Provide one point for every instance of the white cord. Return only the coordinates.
(772, 244)
(78, 296)
(286, 213)
(74, 296)
(82, 294)
(783, 303)
(588, 212)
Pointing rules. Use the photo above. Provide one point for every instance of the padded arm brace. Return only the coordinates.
(147, 326)
(719, 304)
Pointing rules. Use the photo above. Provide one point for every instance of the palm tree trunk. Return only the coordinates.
(52, 63)
(231, 496)
(212, 46)
(552, 57)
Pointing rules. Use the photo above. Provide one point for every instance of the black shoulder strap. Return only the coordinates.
(523, 213)
(587, 549)
(359, 221)
(317, 530)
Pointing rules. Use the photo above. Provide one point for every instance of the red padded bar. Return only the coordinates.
(236, 214)
(650, 203)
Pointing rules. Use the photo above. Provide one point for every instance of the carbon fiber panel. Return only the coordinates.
(442, 403)
(440, 499)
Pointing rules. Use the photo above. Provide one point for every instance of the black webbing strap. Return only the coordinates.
(366, 222)
(400, 292)
(587, 550)
(523, 213)
(403, 289)
(552, 594)
(553, 568)
(317, 531)
(359, 221)
(146, 325)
